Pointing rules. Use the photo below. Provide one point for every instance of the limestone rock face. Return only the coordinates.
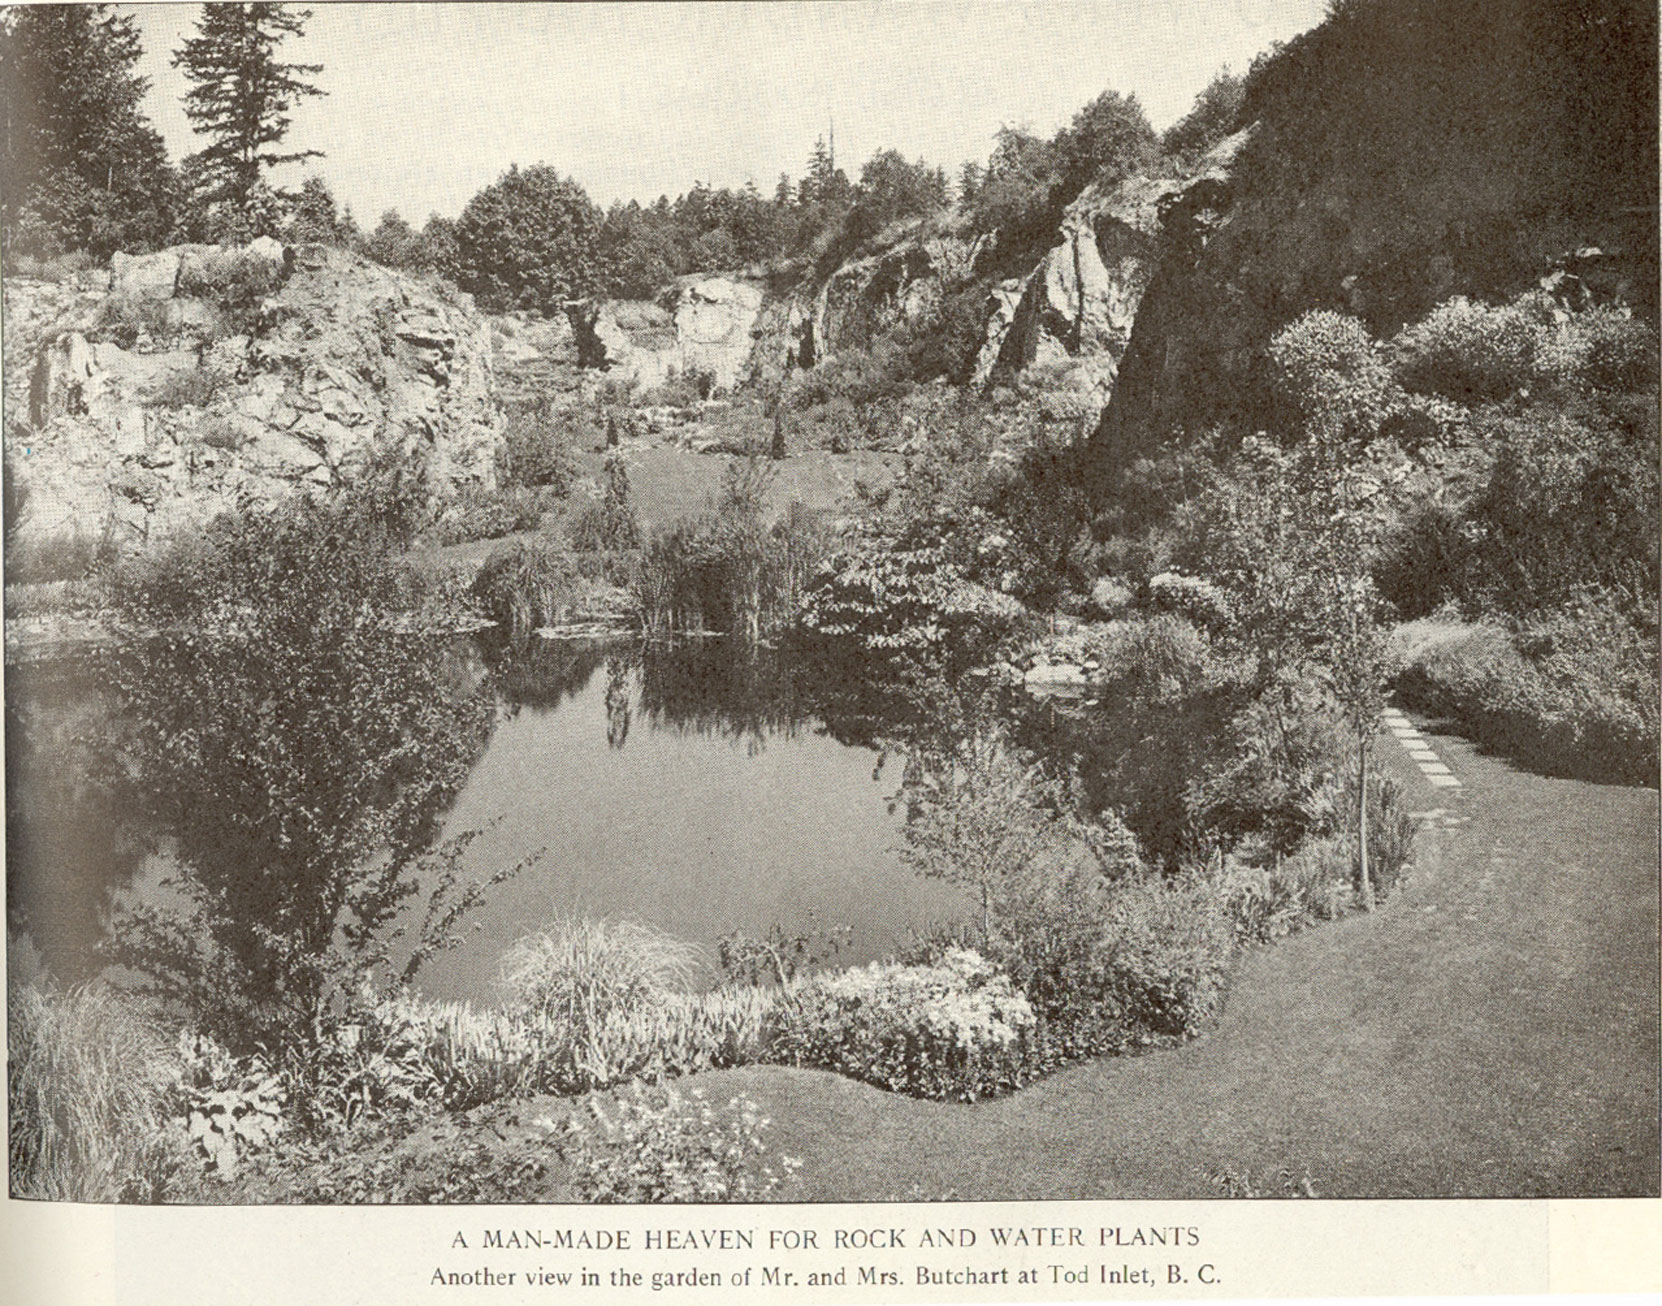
(148, 274)
(868, 296)
(1247, 247)
(131, 435)
(1079, 303)
(714, 321)
(708, 325)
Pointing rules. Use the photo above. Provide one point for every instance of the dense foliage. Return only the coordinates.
(84, 168)
(299, 746)
(528, 241)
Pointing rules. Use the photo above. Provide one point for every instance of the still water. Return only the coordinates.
(681, 787)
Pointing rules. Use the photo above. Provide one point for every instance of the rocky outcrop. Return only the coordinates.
(866, 297)
(1387, 174)
(144, 408)
(707, 325)
(1080, 303)
(714, 321)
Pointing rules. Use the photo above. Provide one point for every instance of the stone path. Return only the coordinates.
(1419, 749)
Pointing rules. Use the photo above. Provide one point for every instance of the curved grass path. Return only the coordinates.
(1492, 1031)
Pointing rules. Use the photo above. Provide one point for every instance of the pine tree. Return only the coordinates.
(83, 168)
(240, 99)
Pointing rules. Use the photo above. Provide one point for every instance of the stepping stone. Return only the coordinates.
(1423, 755)
(1435, 768)
(1444, 781)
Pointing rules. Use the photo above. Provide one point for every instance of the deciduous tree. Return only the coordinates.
(528, 240)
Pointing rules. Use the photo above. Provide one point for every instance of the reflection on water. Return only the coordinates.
(685, 787)
(75, 832)
(681, 785)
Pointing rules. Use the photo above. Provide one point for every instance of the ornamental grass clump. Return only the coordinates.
(91, 1079)
(607, 1001)
(954, 1029)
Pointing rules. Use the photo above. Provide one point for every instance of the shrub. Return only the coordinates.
(1271, 779)
(1571, 500)
(478, 513)
(853, 377)
(1267, 895)
(1168, 956)
(125, 318)
(1573, 691)
(1158, 656)
(90, 1081)
(234, 280)
(537, 450)
(529, 584)
(1469, 351)
(1604, 348)
(1472, 352)
(1190, 596)
(1331, 373)
(296, 741)
(1288, 894)
(1425, 559)
(905, 611)
(221, 433)
(955, 1029)
(656, 1144)
(1107, 954)
(190, 387)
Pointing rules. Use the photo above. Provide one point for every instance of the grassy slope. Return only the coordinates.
(1492, 1032)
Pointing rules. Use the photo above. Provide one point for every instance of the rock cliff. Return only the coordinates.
(183, 382)
(1391, 169)
(706, 325)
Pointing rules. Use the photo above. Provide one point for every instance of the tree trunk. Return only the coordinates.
(1362, 822)
(777, 452)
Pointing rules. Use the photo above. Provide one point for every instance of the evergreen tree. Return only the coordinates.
(314, 216)
(240, 98)
(395, 244)
(83, 168)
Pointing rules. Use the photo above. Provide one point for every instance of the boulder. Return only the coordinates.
(146, 275)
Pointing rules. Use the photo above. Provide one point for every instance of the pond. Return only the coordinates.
(683, 787)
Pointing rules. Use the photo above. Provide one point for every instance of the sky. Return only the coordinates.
(429, 103)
